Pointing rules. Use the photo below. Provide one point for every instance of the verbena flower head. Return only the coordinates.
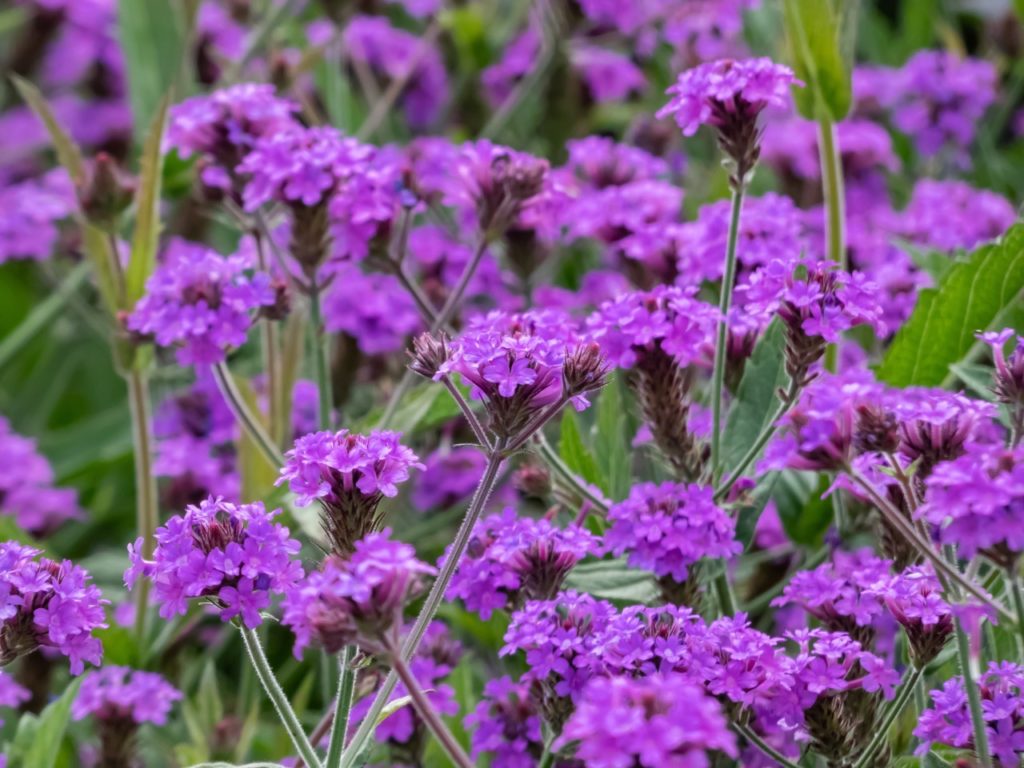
(506, 725)
(654, 722)
(517, 364)
(449, 477)
(729, 95)
(1009, 374)
(977, 502)
(122, 695)
(11, 693)
(27, 492)
(668, 528)
(226, 124)
(372, 308)
(47, 605)
(948, 215)
(200, 302)
(29, 213)
(914, 598)
(608, 75)
(600, 161)
(842, 594)
(356, 600)
(349, 474)
(948, 720)
(232, 555)
(512, 559)
(935, 425)
(666, 318)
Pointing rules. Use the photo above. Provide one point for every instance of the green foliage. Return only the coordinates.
(613, 580)
(152, 36)
(819, 34)
(976, 294)
(574, 452)
(611, 447)
(805, 515)
(38, 737)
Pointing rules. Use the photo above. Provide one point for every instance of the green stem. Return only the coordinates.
(285, 713)
(430, 605)
(1018, 606)
(892, 712)
(752, 738)
(835, 206)
(42, 314)
(146, 504)
(250, 423)
(724, 302)
(320, 364)
(562, 470)
(428, 714)
(346, 688)
(723, 590)
(278, 409)
(547, 758)
(963, 649)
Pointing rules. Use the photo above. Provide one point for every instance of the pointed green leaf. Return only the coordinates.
(820, 42)
(805, 515)
(975, 295)
(611, 446)
(613, 580)
(147, 209)
(152, 37)
(574, 452)
(68, 153)
(37, 740)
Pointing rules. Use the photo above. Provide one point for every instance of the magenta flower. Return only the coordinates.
(47, 605)
(232, 555)
(506, 725)
(121, 695)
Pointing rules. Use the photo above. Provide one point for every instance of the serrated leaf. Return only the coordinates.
(756, 399)
(805, 515)
(973, 296)
(574, 452)
(613, 580)
(817, 35)
(37, 739)
(146, 234)
(611, 448)
(152, 40)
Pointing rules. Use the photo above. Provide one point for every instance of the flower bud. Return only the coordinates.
(105, 192)
(429, 354)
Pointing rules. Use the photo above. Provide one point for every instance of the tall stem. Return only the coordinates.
(756, 741)
(427, 712)
(963, 648)
(894, 710)
(320, 365)
(250, 423)
(285, 713)
(342, 707)
(1018, 606)
(432, 603)
(270, 341)
(724, 302)
(835, 207)
(146, 504)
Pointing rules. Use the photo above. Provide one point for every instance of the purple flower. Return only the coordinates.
(29, 213)
(512, 559)
(449, 476)
(517, 60)
(27, 492)
(233, 555)
(372, 308)
(507, 725)
(949, 215)
(654, 722)
(11, 693)
(356, 600)
(608, 75)
(1008, 386)
(349, 474)
(948, 720)
(48, 605)
(601, 162)
(914, 598)
(668, 528)
(977, 502)
(119, 694)
(201, 302)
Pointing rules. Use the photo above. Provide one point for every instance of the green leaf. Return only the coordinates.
(257, 473)
(68, 153)
(425, 406)
(153, 42)
(147, 209)
(611, 447)
(818, 37)
(804, 514)
(977, 378)
(613, 580)
(756, 399)
(574, 452)
(973, 296)
(37, 740)
(236, 765)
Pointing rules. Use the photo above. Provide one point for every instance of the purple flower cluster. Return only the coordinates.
(949, 215)
(232, 555)
(29, 213)
(27, 492)
(948, 720)
(449, 476)
(11, 693)
(668, 318)
(512, 559)
(599, 162)
(356, 600)
(726, 90)
(201, 302)
(372, 308)
(653, 722)
(668, 528)
(120, 694)
(506, 725)
(47, 605)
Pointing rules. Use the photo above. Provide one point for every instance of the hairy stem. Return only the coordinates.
(427, 712)
(892, 712)
(342, 707)
(724, 302)
(277, 411)
(321, 368)
(285, 713)
(146, 505)
(756, 741)
(963, 649)
(249, 421)
(835, 207)
(432, 603)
